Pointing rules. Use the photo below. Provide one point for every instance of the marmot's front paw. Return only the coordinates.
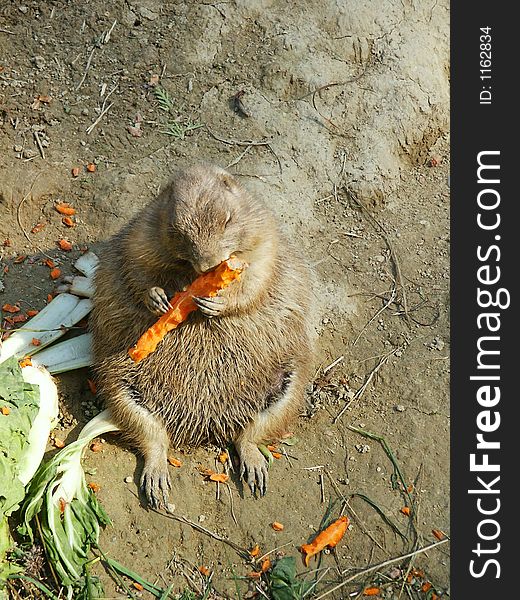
(253, 467)
(157, 301)
(211, 307)
(156, 486)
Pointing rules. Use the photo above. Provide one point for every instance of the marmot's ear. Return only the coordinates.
(228, 180)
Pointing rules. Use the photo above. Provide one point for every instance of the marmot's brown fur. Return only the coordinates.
(237, 368)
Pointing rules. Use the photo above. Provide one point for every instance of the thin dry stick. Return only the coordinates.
(322, 488)
(103, 112)
(388, 302)
(379, 566)
(382, 231)
(7, 31)
(362, 389)
(358, 520)
(333, 364)
(39, 144)
(231, 503)
(242, 551)
(86, 68)
(237, 160)
(264, 556)
(237, 142)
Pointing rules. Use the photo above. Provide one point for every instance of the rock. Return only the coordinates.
(29, 153)
(39, 61)
(129, 479)
(399, 408)
(23, 9)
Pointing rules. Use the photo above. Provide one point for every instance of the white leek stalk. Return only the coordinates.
(75, 353)
(87, 263)
(48, 325)
(43, 423)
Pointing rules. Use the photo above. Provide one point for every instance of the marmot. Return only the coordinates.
(234, 370)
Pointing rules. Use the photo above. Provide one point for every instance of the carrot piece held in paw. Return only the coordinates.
(207, 284)
(328, 538)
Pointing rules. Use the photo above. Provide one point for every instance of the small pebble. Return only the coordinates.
(400, 408)
(129, 479)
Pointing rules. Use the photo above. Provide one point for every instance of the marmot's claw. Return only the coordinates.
(156, 486)
(157, 301)
(211, 307)
(253, 468)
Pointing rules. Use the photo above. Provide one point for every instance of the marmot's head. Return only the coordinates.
(211, 217)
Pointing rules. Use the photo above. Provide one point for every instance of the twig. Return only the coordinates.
(103, 112)
(19, 208)
(7, 31)
(259, 560)
(86, 68)
(322, 488)
(382, 309)
(237, 160)
(231, 503)
(241, 551)
(237, 142)
(39, 144)
(379, 566)
(332, 365)
(362, 389)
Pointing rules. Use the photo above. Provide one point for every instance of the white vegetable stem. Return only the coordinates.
(44, 421)
(75, 353)
(48, 325)
(87, 264)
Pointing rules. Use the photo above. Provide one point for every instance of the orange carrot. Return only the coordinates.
(10, 308)
(75, 171)
(371, 591)
(426, 586)
(19, 319)
(32, 313)
(94, 487)
(406, 510)
(19, 259)
(25, 362)
(55, 273)
(58, 443)
(38, 227)
(36, 342)
(5, 410)
(208, 284)
(222, 458)
(64, 245)
(440, 535)
(68, 221)
(329, 537)
(255, 551)
(276, 454)
(64, 208)
(277, 526)
(265, 565)
(220, 477)
(91, 167)
(174, 462)
(204, 570)
(138, 586)
(49, 263)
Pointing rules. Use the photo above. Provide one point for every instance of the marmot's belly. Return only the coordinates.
(207, 382)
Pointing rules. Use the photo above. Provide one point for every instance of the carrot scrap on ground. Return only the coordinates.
(440, 535)
(204, 570)
(265, 565)
(406, 510)
(371, 591)
(174, 462)
(75, 171)
(5, 410)
(19, 319)
(38, 227)
(277, 526)
(11, 308)
(25, 362)
(32, 313)
(55, 273)
(64, 245)
(207, 284)
(64, 208)
(328, 538)
(94, 487)
(57, 443)
(19, 259)
(68, 221)
(254, 575)
(255, 551)
(48, 262)
(272, 448)
(222, 457)
(426, 586)
(220, 477)
(91, 167)
(137, 586)
(49, 298)
(63, 504)
(36, 342)
(277, 454)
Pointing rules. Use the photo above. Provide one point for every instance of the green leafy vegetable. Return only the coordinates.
(69, 512)
(283, 581)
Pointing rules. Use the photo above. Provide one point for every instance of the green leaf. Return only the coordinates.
(283, 581)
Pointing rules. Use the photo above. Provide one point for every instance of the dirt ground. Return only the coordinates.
(337, 114)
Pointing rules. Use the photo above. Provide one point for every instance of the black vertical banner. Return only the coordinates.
(485, 435)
